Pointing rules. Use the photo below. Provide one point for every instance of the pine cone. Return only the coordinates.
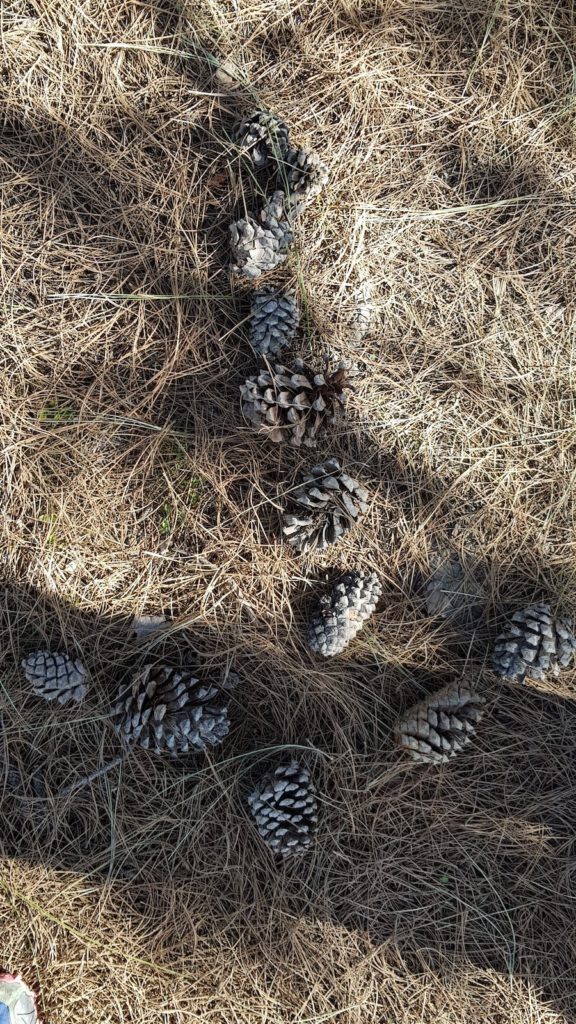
(533, 644)
(306, 176)
(363, 312)
(263, 137)
(56, 676)
(172, 712)
(285, 809)
(441, 725)
(331, 503)
(260, 246)
(343, 612)
(294, 404)
(444, 590)
(274, 319)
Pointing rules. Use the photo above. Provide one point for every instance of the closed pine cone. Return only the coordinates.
(306, 176)
(444, 589)
(441, 725)
(264, 137)
(343, 612)
(285, 809)
(274, 319)
(56, 676)
(533, 644)
(259, 246)
(172, 712)
(329, 503)
(294, 404)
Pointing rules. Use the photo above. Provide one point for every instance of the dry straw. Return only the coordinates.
(131, 486)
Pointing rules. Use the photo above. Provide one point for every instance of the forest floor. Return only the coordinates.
(132, 485)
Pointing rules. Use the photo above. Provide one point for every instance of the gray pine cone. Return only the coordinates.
(444, 589)
(172, 712)
(274, 319)
(56, 676)
(263, 137)
(343, 612)
(454, 589)
(294, 404)
(259, 246)
(306, 176)
(329, 504)
(534, 644)
(285, 809)
(441, 725)
(363, 313)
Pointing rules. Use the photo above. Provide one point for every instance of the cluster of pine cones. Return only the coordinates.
(290, 402)
(261, 243)
(171, 711)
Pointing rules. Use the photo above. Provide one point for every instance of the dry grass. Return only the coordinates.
(131, 484)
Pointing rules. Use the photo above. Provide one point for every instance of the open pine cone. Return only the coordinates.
(285, 809)
(294, 404)
(56, 676)
(534, 644)
(329, 503)
(263, 137)
(274, 318)
(172, 712)
(259, 246)
(441, 725)
(343, 612)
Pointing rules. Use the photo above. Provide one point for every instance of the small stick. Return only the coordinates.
(85, 780)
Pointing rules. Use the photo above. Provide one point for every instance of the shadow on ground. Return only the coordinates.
(469, 865)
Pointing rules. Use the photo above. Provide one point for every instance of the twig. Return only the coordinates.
(85, 780)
